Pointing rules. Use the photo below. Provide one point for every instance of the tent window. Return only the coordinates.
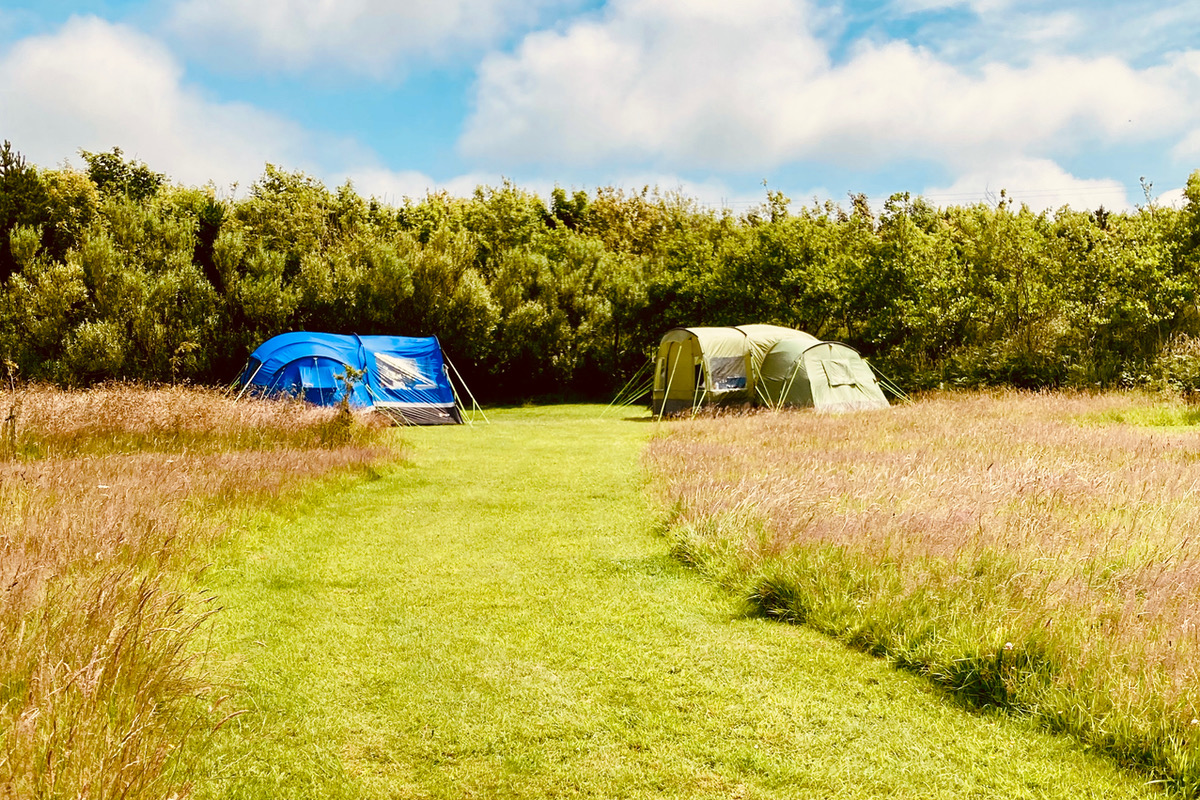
(727, 373)
(839, 373)
(397, 372)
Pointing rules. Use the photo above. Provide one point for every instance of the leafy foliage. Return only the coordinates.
(113, 175)
(116, 273)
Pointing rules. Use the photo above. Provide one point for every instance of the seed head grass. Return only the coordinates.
(108, 501)
(1032, 552)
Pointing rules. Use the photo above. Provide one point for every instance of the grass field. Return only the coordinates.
(1031, 552)
(109, 500)
(500, 617)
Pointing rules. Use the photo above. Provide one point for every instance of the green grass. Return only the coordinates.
(498, 618)
(1161, 414)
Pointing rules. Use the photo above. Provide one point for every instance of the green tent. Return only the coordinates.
(829, 376)
(760, 364)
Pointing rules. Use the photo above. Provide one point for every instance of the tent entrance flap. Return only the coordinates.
(837, 371)
(312, 376)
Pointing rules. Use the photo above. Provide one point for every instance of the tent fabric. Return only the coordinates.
(761, 339)
(701, 365)
(404, 376)
(759, 363)
(829, 376)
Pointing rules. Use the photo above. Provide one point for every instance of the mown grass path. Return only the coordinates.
(499, 619)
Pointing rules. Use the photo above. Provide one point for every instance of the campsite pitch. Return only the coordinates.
(498, 617)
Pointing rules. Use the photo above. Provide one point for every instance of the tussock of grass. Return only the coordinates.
(107, 499)
(990, 542)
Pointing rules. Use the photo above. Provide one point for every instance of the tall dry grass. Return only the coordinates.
(107, 501)
(1035, 552)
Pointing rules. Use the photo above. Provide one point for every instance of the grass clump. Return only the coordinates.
(107, 501)
(990, 542)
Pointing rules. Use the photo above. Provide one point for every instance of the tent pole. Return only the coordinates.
(758, 389)
(787, 389)
(670, 380)
(247, 386)
(756, 377)
(458, 400)
(701, 378)
(467, 389)
(233, 385)
(762, 396)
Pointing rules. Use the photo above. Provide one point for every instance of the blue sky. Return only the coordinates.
(1065, 102)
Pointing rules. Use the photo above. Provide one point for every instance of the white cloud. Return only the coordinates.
(94, 85)
(1188, 147)
(694, 84)
(1015, 30)
(657, 75)
(1172, 198)
(711, 192)
(391, 187)
(1037, 183)
(1185, 68)
(367, 36)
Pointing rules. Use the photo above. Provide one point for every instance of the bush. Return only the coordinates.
(1178, 365)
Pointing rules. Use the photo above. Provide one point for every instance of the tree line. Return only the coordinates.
(114, 272)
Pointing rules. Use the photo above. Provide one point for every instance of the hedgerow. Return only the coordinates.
(115, 272)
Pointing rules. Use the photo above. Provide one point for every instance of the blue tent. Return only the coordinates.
(404, 376)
